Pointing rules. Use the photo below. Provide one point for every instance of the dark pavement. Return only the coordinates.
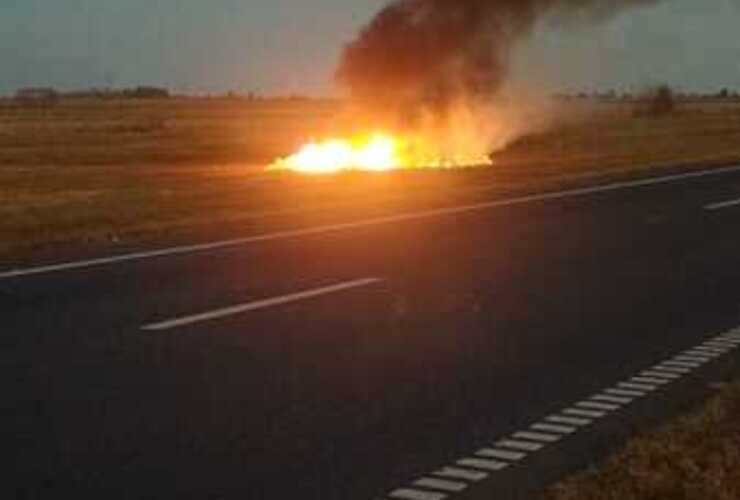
(483, 322)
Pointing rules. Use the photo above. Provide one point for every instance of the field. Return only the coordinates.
(695, 456)
(102, 174)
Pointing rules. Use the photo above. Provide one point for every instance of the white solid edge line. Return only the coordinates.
(279, 235)
(259, 304)
(723, 204)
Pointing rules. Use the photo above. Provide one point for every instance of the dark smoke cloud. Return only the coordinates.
(432, 51)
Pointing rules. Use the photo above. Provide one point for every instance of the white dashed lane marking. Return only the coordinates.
(593, 405)
(682, 364)
(501, 454)
(724, 204)
(584, 413)
(441, 484)
(693, 359)
(672, 369)
(700, 355)
(639, 387)
(656, 374)
(613, 399)
(519, 445)
(481, 463)
(551, 430)
(559, 419)
(411, 494)
(623, 392)
(647, 380)
(721, 343)
(465, 474)
(714, 351)
(537, 436)
(258, 304)
(562, 429)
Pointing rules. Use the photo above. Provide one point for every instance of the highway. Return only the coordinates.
(344, 361)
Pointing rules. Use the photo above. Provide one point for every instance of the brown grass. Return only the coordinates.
(109, 172)
(695, 457)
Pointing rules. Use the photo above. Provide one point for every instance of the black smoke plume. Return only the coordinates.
(430, 52)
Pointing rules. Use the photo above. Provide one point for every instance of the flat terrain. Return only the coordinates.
(368, 336)
(100, 174)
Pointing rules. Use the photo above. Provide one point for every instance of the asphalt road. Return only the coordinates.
(339, 364)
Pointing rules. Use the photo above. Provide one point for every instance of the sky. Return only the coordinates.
(291, 46)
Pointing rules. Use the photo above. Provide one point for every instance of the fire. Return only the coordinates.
(376, 152)
(379, 152)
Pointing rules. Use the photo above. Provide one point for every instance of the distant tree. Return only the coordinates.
(724, 93)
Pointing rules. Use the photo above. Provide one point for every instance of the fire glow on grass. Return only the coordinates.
(377, 152)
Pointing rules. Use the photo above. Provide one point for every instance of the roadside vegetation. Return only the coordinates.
(694, 457)
(85, 172)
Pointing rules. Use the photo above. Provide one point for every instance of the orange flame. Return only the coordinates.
(378, 152)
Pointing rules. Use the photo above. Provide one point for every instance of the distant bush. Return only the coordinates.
(147, 93)
(42, 96)
(660, 100)
(151, 126)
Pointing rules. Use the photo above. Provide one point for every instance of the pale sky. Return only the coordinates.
(285, 46)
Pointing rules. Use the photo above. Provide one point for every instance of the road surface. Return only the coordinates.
(354, 360)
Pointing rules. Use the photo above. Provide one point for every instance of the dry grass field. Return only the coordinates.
(91, 173)
(694, 457)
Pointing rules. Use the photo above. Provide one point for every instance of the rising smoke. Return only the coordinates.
(431, 53)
